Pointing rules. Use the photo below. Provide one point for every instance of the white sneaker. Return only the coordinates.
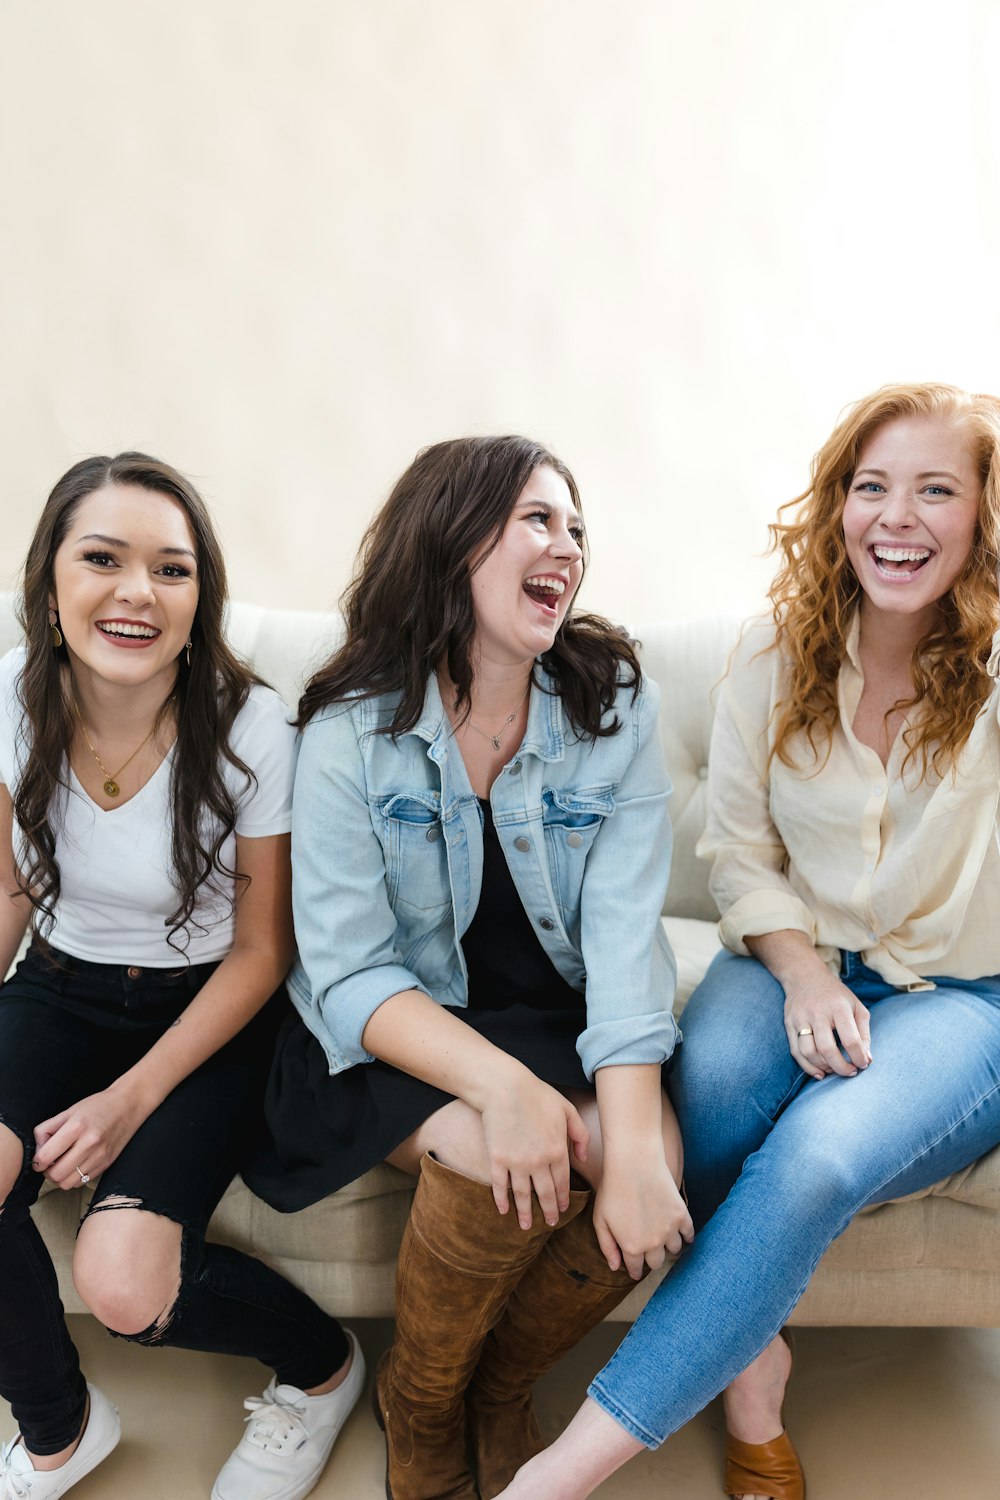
(19, 1480)
(288, 1438)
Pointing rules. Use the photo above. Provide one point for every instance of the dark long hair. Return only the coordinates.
(409, 607)
(208, 695)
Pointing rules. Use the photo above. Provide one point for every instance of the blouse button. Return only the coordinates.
(546, 923)
(575, 840)
(522, 845)
(432, 833)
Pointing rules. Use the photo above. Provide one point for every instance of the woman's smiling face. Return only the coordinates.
(911, 512)
(522, 589)
(125, 585)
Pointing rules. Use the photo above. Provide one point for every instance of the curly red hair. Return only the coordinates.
(816, 589)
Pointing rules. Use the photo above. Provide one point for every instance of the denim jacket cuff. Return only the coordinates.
(632, 1040)
(340, 1018)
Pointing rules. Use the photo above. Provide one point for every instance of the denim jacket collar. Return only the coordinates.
(543, 735)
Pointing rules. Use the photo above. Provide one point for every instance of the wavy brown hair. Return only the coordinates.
(409, 607)
(208, 695)
(816, 589)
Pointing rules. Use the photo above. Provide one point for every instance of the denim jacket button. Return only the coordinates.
(574, 840)
(522, 845)
(515, 769)
(432, 833)
(546, 923)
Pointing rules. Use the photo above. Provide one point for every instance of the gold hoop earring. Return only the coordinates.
(187, 652)
(55, 634)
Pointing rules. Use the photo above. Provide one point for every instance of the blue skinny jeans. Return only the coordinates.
(777, 1164)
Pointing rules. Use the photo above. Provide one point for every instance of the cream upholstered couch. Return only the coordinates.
(931, 1259)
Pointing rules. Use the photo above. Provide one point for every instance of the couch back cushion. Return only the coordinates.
(285, 645)
(688, 659)
(10, 633)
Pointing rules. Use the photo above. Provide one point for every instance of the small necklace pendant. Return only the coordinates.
(495, 741)
(111, 787)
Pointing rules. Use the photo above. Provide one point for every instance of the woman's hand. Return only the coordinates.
(639, 1214)
(819, 1010)
(87, 1137)
(528, 1127)
(824, 1020)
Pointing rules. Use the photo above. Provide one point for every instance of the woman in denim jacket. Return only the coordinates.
(480, 853)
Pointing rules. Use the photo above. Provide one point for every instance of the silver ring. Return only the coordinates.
(804, 1031)
(84, 1177)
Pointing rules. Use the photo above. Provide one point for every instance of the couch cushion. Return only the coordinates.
(695, 944)
(688, 659)
(285, 646)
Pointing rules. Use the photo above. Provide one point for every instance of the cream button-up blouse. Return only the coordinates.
(899, 867)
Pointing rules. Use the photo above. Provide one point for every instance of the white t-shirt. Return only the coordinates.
(115, 867)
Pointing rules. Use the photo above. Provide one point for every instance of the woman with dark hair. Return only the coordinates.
(844, 1048)
(146, 804)
(480, 853)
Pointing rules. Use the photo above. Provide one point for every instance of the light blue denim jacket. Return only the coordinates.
(387, 863)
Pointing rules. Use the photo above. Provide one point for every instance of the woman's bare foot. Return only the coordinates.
(592, 1447)
(753, 1401)
(530, 1481)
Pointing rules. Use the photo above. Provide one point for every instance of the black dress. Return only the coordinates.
(328, 1129)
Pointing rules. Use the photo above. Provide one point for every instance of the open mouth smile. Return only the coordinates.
(545, 590)
(898, 564)
(130, 633)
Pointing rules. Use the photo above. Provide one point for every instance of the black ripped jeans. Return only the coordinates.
(67, 1030)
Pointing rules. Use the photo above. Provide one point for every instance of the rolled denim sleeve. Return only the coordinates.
(631, 971)
(345, 928)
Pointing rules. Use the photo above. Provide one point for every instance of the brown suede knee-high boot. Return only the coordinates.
(458, 1264)
(567, 1291)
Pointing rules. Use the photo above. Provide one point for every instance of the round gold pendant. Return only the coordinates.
(111, 788)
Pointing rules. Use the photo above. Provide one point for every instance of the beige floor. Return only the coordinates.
(875, 1412)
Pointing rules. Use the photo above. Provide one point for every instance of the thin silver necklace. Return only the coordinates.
(495, 739)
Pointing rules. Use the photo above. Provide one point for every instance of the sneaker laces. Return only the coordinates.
(14, 1483)
(275, 1422)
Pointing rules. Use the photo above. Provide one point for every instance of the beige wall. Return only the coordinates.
(285, 245)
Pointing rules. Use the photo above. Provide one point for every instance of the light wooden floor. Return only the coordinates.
(913, 1414)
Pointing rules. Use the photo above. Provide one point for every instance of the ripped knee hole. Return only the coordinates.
(156, 1332)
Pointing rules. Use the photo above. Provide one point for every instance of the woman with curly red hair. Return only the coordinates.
(844, 1048)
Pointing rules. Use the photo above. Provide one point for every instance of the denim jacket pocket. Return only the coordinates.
(416, 858)
(572, 821)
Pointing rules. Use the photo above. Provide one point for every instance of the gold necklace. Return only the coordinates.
(111, 784)
(495, 739)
